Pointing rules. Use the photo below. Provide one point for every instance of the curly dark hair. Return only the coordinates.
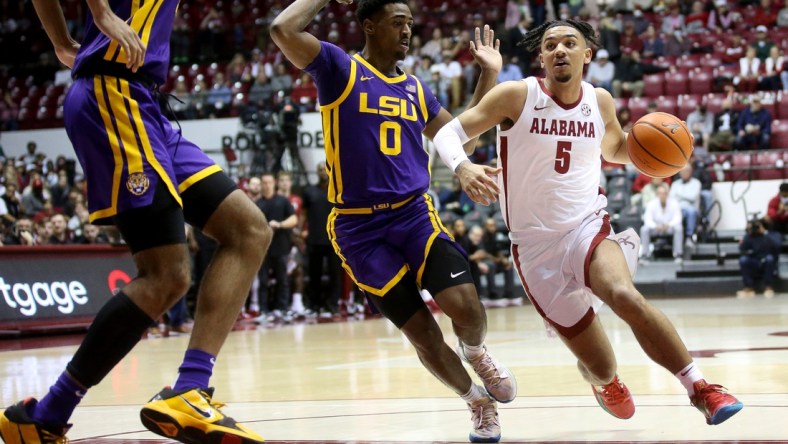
(368, 8)
(533, 38)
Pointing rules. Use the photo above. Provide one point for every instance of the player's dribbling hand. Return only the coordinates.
(116, 29)
(478, 182)
(485, 49)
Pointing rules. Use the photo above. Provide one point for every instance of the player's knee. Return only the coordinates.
(626, 301)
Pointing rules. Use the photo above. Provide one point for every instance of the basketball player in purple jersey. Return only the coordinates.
(148, 180)
(383, 225)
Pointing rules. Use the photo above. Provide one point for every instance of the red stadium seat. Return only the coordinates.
(779, 134)
(654, 85)
(700, 82)
(686, 61)
(771, 165)
(638, 107)
(676, 83)
(667, 104)
(687, 104)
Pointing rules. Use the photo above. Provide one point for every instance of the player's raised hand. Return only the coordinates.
(116, 29)
(486, 49)
(479, 182)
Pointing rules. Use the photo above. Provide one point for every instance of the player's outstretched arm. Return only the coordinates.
(288, 31)
(118, 30)
(503, 103)
(614, 144)
(54, 23)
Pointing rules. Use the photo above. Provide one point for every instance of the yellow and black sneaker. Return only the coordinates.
(190, 416)
(17, 427)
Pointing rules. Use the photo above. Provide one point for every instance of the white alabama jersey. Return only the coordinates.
(551, 160)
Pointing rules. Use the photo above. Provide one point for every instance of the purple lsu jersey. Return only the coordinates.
(372, 129)
(152, 19)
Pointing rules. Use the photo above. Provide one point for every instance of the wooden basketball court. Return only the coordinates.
(360, 381)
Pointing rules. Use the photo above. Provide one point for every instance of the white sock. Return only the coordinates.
(474, 394)
(688, 376)
(472, 351)
(298, 301)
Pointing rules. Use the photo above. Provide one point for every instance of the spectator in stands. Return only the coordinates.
(696, 20)
(722, 18)
(758, 261)
(282, 81)
(12, 202)
(777, 211)
(653, 45)
(629, 74)
(513, 50)
(455, 199)
(182, 102)
(60, 233)
(601, 71)
(219, 97)
(725, 125)
(31, 155)
(774, 71)
(677, 44)
(320, 252)
(701, 172)
(754, 127)
(35, 196)
(59, 191)
(180, 41)
(629, 39)
(610, 33)
(674, 21)
(238, 70)
(510, 70)
(42, 231)
(305, 93)
(262, 92)
(762, 44)
(211, 36)
(92, 235)
(478, 259)
(281, 218)
(782, 17)
(662, 217)
(686, 191)
(701, 124)
(451, 71)
(644, 189)
(498, 246)
(766, 15)
(434, 46)
(21, 233)
(735, 50)
(624, 116)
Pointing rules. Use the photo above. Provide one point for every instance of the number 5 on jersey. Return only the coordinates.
(562, 157)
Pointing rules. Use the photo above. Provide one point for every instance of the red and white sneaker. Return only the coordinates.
(615, 399)
(715, 402)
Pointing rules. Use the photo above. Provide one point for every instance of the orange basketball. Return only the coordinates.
(659, 144)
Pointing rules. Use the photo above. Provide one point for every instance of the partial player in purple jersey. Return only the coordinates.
(383, 225)
(147, 179)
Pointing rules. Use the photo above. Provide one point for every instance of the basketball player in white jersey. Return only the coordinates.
(551, 134)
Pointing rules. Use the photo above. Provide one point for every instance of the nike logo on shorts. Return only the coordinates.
(454, 275)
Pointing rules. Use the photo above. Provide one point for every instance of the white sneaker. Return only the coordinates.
(484, 415)
(297, 306)
(768, 293)
(498, 380)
